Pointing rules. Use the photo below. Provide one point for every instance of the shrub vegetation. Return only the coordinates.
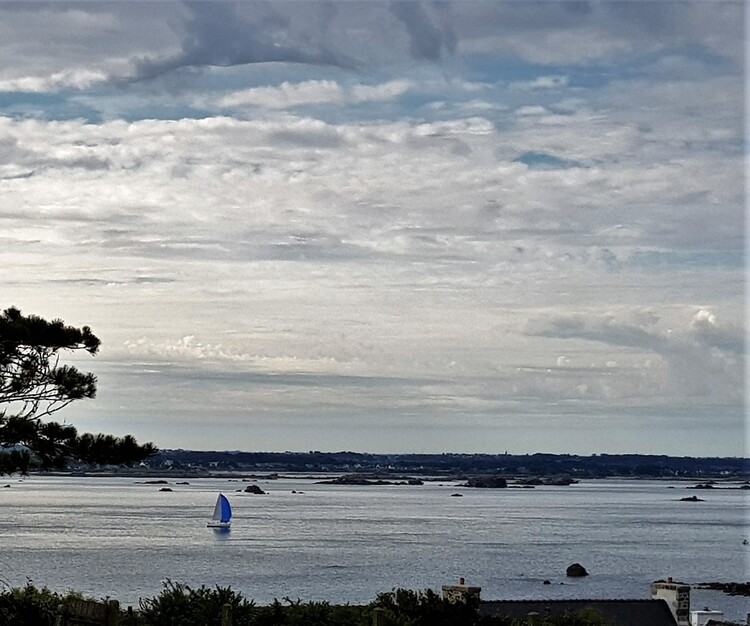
(182, 605)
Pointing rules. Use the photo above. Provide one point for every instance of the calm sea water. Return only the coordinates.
(118, 538)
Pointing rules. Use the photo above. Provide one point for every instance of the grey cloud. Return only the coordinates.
(26, 174)
(587, 31)
(181, 373)
(126, 42)
(228, 34)
(578, 7)
(426, 40)
(703, 360)
(318, 247)
(218, 35)
(258, 246)
(604, 330)
(134, 280)
(307, 139)
(90, 163)
(657, 18)
(707, 332)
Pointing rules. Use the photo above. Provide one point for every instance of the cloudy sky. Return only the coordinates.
(386, 226)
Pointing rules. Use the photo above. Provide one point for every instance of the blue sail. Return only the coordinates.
(226, 509)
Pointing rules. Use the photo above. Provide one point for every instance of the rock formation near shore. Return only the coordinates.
(355, 479)
(254, 489)
(486, 482)
(732, 589)
(576, 570)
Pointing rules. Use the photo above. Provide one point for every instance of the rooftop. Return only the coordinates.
(618, 612)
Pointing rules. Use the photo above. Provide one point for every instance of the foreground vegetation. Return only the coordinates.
(181, 605)
(34, 385)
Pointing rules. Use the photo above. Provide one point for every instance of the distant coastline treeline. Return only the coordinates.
(458, 465)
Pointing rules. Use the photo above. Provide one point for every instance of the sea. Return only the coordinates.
(124, 538)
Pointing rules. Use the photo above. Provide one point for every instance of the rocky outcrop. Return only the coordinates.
(691, 499)
(732, 589)
(486, 482)
(576, 570)
(254, 489)
(558, 480)
(356, 479)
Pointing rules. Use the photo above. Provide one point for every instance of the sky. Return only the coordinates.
(386, 226)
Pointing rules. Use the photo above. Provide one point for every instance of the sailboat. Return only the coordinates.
(222, 517)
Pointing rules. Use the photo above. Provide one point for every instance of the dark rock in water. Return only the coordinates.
(359, 480)
(561, 480)
(556, 481)
(703, 486)
(165, 489)
(546, 582)
(254, 489)
(692, 499)
(351, 480)
(182, 483)
(6, 486)
(153, 482)
(576, 570)
(453, 495)
(535, 480)
(486, 482)
(732, 589)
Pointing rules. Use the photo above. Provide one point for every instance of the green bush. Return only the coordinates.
(297, 613)
(29, 606)
(425, 608)
(182, 605)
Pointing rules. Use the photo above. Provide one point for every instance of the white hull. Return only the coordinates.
(219, 524)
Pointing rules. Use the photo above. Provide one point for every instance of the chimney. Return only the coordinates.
(460, 592)
(677, 597)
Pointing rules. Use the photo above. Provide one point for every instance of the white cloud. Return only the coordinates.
(286, 95)
(289, 95)
(543, 82)
(532, 110)
(75, 78)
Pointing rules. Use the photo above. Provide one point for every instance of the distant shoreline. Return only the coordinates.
(353, 478)
(448, 466)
